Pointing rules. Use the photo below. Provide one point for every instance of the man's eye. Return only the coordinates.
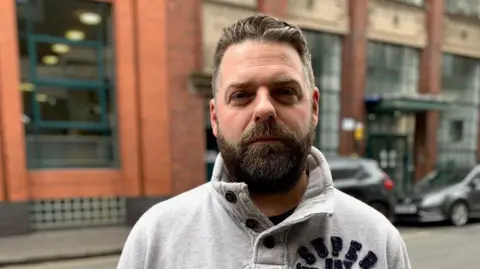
(286, 95)
(286, 91)
(239, 96)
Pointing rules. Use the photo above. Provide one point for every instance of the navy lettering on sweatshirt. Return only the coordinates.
(333, 253)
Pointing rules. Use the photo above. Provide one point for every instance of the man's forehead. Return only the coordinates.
(260, 63)
(257, 53)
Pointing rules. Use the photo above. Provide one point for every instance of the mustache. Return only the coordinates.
(266, 129)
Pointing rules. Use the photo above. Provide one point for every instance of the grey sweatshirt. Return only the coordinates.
(216, 225)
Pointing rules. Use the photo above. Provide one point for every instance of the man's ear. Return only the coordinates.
(315, 105)
(213, 117)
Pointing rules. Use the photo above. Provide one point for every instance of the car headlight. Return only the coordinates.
(433, 200)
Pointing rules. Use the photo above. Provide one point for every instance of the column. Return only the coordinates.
(14, 216)
(186, 116)
(430, 82)
(276, 8)
(13, 137)
(354, 74)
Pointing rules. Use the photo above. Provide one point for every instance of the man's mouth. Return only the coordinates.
(266, 139)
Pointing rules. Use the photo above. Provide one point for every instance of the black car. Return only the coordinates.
(446, 194)
(363, 179)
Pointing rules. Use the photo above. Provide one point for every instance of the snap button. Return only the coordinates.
(269, 242)
(230, 196)
(251, 223)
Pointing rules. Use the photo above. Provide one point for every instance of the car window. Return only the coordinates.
(348, 173)
(443, 178)
(344, 173)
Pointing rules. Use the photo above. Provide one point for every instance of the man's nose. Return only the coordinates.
(264, 109)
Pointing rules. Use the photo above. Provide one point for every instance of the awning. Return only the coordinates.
(202, 84)
(407, 104)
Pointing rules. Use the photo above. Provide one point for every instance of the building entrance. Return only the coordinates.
(391, 153)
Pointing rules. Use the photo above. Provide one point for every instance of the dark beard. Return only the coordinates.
(267, 168)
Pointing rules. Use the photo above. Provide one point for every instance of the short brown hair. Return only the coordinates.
(263, 28)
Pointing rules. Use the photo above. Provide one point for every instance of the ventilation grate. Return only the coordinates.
(77, 212)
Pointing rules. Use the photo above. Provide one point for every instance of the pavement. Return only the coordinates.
(48, 246)
(429, 247)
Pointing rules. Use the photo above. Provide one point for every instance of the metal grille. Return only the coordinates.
(77, 212)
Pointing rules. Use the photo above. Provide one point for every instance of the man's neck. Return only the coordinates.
(276, 204)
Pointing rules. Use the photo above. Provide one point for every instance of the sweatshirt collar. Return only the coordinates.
(317, 199)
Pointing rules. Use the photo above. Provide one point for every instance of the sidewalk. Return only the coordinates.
(60, 245)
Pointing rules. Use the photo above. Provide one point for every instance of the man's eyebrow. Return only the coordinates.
(284, 81)
(278, 81)
(239, 85)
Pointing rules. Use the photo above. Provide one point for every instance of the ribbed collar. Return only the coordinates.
(317, 199)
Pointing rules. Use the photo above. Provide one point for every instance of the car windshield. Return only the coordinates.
(442, 178)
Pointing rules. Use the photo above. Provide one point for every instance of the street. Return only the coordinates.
(443, 247)
(429, 246)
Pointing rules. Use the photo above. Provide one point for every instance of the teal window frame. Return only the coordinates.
(100, 86)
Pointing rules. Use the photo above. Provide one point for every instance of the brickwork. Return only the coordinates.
(153, 89)
(430, 82)
(354, 72)
(186, 116)
(127, 99)
(161, 123)
(12, 136)
(277, 8)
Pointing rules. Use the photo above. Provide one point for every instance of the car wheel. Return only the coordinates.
(381, 208)
(459, 214)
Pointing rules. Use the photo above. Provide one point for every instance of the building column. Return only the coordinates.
(430, 82)
(14, 216)
(153, 91)
(187, 120)
(276, 8)
(354, 64)
(478, 136)
(13, 137)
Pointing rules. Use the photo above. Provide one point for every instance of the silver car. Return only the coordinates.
(449, 194)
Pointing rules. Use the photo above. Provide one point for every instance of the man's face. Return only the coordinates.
(264, 115)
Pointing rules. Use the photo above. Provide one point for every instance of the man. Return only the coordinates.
(271, 202)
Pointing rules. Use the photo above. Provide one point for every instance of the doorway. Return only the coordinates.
(391, 153)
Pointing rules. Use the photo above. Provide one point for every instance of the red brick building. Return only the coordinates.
(102, 103)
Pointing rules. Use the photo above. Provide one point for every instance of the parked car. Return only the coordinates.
(446, 194)
(363, 179)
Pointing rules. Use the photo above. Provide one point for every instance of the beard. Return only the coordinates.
(267, 167)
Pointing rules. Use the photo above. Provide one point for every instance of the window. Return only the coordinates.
(67, 83)
(353, 172)
(392, 69)
(459, 72)
(469, 8)
(456, 131)
(345, 173)
(326, 50)
(443, 177)
(412, 2)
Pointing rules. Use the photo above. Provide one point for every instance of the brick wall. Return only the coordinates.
(354, 73)
(430, 82)
(277, 8)
(187, 119)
